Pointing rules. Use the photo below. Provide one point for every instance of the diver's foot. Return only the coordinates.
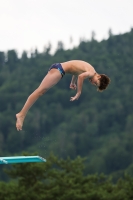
(19, 122)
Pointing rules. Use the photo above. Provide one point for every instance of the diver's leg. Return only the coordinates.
(51, 79)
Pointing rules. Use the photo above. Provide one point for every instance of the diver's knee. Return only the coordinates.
(41, 91)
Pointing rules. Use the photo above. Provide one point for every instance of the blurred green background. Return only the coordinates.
(97, 127)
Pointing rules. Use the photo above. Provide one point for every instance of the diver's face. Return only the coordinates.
(95, 80)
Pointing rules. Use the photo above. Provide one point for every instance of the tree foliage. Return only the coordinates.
(97, 126)
(64, 180)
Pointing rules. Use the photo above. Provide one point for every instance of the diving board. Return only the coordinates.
(21, 159)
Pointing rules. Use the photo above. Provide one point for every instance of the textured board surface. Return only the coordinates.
(21, 159)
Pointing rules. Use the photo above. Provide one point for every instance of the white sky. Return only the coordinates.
(30, 24)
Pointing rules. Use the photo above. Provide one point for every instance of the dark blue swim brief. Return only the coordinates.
(59, 67)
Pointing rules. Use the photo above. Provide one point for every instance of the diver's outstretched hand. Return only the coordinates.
(75, 97)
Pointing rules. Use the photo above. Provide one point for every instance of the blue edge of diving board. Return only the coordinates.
(21, 159)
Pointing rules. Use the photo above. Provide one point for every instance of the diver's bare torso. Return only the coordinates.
(77, 67)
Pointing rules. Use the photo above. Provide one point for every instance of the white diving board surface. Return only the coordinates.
(21, 159)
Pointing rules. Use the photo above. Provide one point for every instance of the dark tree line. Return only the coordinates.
(64, 180)
(98, 126)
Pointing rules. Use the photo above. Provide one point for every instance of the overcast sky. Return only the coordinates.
(30, 24)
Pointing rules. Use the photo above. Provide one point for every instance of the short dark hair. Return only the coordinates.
(104, 82)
